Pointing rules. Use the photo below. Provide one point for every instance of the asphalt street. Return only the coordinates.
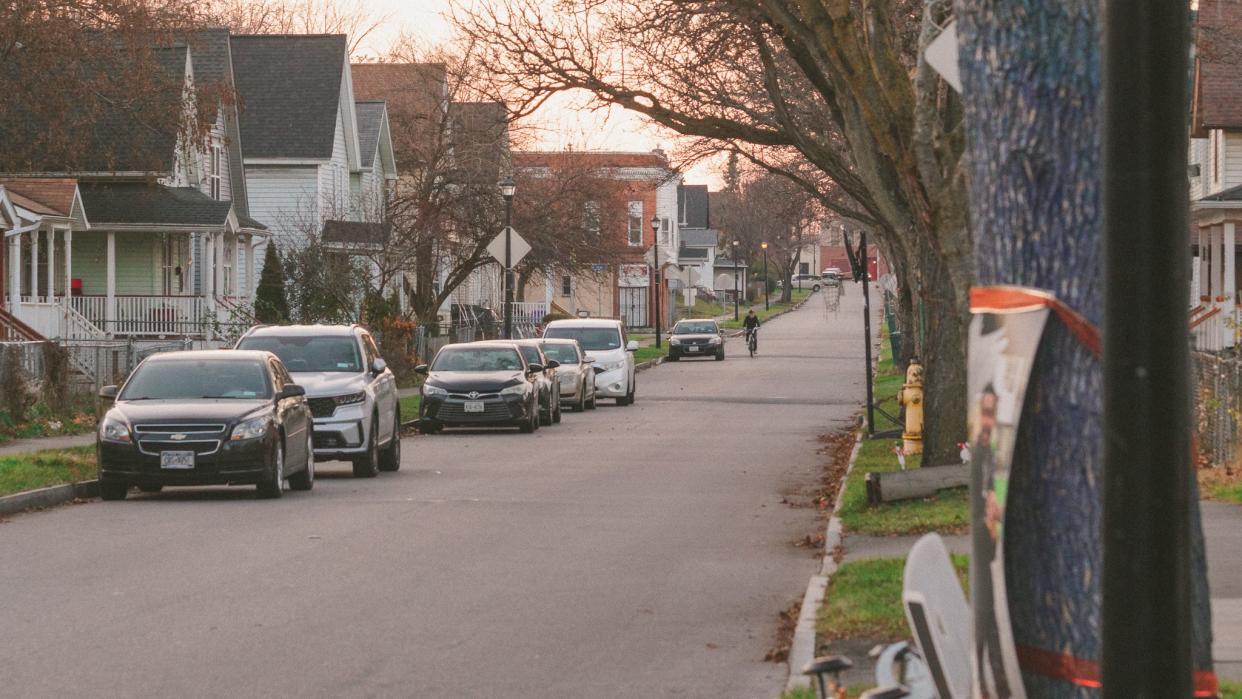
(628, 552)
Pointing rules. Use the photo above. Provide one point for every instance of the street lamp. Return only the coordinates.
(655, 259)
(507, 188)
(766, 304)
(736, 315)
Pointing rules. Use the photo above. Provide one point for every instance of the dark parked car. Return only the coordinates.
(484, 384)
(206, 418)
(695, 338)
(550, 391)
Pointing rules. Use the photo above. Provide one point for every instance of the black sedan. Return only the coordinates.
(695, 338)
(206, 418)
(480, 385)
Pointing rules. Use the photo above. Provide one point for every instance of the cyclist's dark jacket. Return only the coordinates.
(751, 322)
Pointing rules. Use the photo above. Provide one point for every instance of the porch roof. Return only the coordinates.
(356, 234)
(700, 237)
(686, 253)
(50, 196)
(136, 203)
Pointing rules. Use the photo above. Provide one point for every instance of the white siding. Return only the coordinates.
(666, 208)
(334, 176)
(283, 199)
(1199, 156)
(1231, 166)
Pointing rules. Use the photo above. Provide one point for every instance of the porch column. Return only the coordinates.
(34, 264)
(209, 271)
(68, 266)
(110, 304)
(51, 262)
(252, 279)
(217, 264)
(1229, 284)
(15, 271)
(239, 263)
(1201, 291)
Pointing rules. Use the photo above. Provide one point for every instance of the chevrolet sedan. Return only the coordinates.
(695, 338)
(206, 418)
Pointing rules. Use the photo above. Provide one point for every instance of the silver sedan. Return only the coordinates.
(576, 372)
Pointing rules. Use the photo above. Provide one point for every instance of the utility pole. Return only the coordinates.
(507, 188)
(766, 304)
(736, 316)
(659, 291)
(1147, 616)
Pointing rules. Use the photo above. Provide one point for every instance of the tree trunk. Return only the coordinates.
(523, 278)
(1029, 69)
(944, 365)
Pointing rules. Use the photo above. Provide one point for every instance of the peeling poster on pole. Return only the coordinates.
(1003, 342)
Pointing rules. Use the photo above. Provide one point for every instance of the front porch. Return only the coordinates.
(1215, 314)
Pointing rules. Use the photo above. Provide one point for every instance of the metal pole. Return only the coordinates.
(508, 267)
(867, 333)
(766, 294)
(659, 290)
(735, 290)
(1146, 619)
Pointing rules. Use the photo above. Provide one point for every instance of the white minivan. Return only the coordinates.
(603, 340)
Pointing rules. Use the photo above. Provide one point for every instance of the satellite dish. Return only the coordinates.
(888, 282)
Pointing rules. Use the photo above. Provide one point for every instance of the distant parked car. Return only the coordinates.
(480, 384)
(695, 338)
(605, 341)
(351, 392)
(206, 418)
(575, 372)
(550, 383)
(831, 278)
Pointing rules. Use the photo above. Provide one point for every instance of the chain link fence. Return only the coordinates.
(1218, 406)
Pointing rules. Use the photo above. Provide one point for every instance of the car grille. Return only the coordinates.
(201, 447)
(322, 407)
(694, 342)
(174, 428)
(480, 396)
(456, 412)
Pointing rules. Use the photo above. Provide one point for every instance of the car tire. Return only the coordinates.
(591, 402)
(305, 479)
(582, 401)
(390, 458)
(150, 488)
(545, 416)
(531, 423)
(556, 414)
(367, 466)
(720, 356)
(113, 490)
(673, 357)
(273, 487)
(815, 288)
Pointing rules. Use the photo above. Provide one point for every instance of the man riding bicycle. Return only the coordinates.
(750, 325)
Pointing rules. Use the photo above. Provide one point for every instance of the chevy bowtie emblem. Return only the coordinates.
(177, 437)
(473, 395)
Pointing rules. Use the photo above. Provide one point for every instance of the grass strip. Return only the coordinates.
(40, 469)
(409, 407)
(863, 600)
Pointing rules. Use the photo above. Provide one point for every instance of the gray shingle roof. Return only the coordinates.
(289, 88)
(213, 63)
(370, 119)
(140, 203)
(356, 233)
(692, 200)
(700, 237)
(1231, 194)
(686, 253)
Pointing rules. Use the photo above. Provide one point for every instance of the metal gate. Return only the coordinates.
(634, 306)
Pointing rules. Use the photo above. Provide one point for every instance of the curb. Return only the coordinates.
(48, 497)
(650, 363)
(802, 649)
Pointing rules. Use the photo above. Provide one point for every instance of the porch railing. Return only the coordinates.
(141, 316)
(529, 312)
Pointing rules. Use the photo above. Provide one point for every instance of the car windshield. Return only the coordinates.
(172, 379)
(591, 339)
(565, 354)
(695, 328)
(531, 354)
(477, 359)
(310, 353)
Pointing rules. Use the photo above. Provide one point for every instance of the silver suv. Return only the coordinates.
(351, 392)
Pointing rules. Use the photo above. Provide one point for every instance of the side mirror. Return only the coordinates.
(632, 346)
(534, 368)
(291, 390)
(108, 392)
(378, 366)
(588, 360)
(552, 364)
(421, 369)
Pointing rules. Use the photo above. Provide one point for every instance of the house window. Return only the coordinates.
(635, 229)
(213, 174)
(590, 216)
(666, 227)
(567, 285)
(227, 270)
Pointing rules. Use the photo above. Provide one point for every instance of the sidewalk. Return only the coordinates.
(24, 446)
(1222, 530)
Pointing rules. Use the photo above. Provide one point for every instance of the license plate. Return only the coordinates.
(474, 406)
(176, 459)
(692, 348)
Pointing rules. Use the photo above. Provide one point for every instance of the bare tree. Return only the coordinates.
(352, 18)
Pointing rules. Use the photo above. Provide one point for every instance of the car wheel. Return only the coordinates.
(367, 466)
(582, 401)
(815, 288)
(390, 458)
(150, 488)
(305, 479)
(545, 415)
(720, 356)
(591, 402)
(113, 490)
(673, 357)
(531, 423)
(274, 487)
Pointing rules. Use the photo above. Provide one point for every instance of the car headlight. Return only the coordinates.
(611, 366)
(674, 341)
(253, 428)
(713, 340)
(114, 430)
(351, 398)
(433, 391)
(517, 390)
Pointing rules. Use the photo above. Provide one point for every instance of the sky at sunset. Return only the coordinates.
(561, 123)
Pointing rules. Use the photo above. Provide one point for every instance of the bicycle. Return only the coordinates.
(752, 340)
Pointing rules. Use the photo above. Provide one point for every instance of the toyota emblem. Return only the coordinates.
(473, 395)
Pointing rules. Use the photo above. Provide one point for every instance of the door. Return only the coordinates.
(634, 306)
(385, 391)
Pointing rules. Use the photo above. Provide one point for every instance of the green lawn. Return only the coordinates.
(1230, 690)
(409, 407)
(41, 422)
(43, 468)
(948, 511)
(649, 352)
(863, 600)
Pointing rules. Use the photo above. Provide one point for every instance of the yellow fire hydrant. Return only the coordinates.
(911, 398)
